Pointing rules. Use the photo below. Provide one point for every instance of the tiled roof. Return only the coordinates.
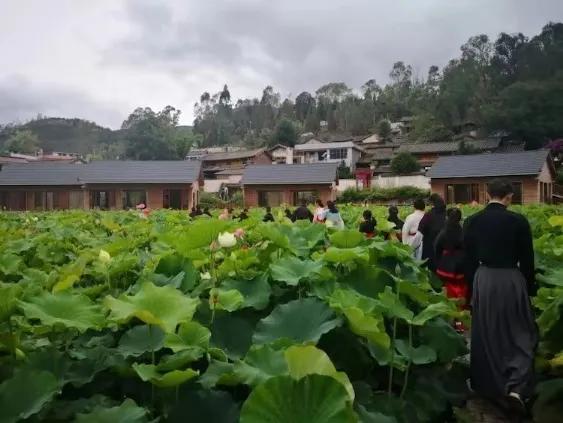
(326, 146)
(494, 164)
(312, 173)
(232, 155)
(100, 172)
(448, 147)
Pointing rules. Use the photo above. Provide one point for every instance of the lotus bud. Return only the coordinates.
(205, 276)
(227, 240)
(239, 233)
(104, 256)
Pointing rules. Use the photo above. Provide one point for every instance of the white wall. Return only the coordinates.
(212, 185)
(419, 181)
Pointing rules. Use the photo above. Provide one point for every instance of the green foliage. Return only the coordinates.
(275, 329)
(404, 163)
(22, 141)
(384, 129)
(403, 194)
(344, 171)
(285, 133)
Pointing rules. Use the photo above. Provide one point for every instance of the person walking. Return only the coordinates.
(449, 253)
(302, 213)
(410, 233)
(333, 216)
(430, 226)
(268, 217)
(500, 263)
(320, 212)
(367, 226)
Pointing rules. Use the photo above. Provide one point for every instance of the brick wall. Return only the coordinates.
(325, 192)
(530, 187)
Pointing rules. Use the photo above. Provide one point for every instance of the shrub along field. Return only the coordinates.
(107, 317)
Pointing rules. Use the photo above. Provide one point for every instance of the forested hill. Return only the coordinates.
(66, 135)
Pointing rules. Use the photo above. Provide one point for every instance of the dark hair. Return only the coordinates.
(331, 207)
(367, 215)
(393, 211)
(245, 210)
(453, 232)
(419, 204)
(268, 209)
(230, 210)
(499, 188)
(319, 202)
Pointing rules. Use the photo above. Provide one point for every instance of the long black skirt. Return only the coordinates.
(504, 334)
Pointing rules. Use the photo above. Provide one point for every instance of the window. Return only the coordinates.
(269, 198)
(39, 201)
(172, 199)
(517, 197)
(308, 196)
(338, 153)
(132, 198)
(462, 193)
(99, 199)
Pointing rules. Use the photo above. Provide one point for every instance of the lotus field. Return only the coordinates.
(108, 317)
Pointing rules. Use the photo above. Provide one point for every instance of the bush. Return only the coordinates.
(402, 194)
(212, 200)
(404, 163)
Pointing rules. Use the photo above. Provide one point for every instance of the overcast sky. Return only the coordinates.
(98, 60)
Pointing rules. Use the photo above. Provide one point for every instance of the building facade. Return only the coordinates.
(105, 185)
(315, 151)
(464, 179)
(289, 184)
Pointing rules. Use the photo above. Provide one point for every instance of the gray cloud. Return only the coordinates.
(22, 100)
(298, 44)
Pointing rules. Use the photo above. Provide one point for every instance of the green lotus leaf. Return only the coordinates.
(219, 373)
(367, 280)
(341, 299)
(141, 339)
(69, 310)
(346, 238)
(190, 335)
(232, 333)
(25, 394)
(200, 234)
(204, 406)
(180, 360)
(311, 399)
(9, 295)
(256, 292)
(307, 360)
(555, 220)
(162, 306)
(127, 412)
(292, 270)
(261, 363)
(304, 320)
(444, 308)
(345, 255)
(439, 335)
(422, 354)
(9, 264)
(393, 306)
(273, 234)
(222, 299)
(149, 373)
(70, 274)
(369, 326)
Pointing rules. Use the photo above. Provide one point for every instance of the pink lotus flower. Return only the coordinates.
(239, 233)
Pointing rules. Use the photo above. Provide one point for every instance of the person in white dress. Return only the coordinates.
(320, 212)
(411, 236)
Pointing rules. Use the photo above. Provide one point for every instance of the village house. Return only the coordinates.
(316, 151)
(213, 163)
(289, 184)
(100, 185)
(463, 179)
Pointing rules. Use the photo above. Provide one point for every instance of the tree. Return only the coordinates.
(304, 102)
(333, 92)
(404, 163)
(150, 134)
(384, 130)
(344, 171)
(285, 133)
(184, 142)
(22, 141)
(225, 96)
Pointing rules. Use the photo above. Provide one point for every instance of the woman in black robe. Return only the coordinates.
(500, 262)
(430, 226)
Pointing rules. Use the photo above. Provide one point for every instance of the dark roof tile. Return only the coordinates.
(299, 174)
(492, 165)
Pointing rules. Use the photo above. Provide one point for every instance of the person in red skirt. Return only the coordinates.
(450, 258)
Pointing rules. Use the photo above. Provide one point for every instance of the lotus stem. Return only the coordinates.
(406, 381)
(394, 337)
